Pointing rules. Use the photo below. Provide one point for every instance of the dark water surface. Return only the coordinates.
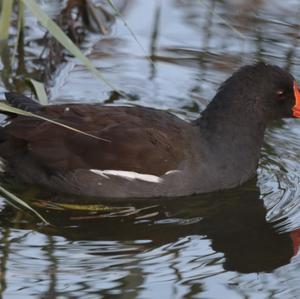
(241, 243)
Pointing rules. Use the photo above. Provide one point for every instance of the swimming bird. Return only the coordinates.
(139, 152)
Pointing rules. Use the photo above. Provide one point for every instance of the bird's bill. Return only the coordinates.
(296, 108)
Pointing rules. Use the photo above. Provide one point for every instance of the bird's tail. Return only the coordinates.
(22, 102)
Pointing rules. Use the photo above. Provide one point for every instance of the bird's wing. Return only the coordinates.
(132, 139)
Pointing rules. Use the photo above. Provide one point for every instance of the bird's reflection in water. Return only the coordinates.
(233, 221)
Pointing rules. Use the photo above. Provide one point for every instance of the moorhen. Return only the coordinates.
(147, 153)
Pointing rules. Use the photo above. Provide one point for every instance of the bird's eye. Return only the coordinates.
(280, 95)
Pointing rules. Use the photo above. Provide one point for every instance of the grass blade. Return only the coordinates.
(117, 11)
(17, 202)
(40, 91)
(6, 12)
(225, 22)
(99, 208)
(20, 27)
(7, 108)
(63, 39)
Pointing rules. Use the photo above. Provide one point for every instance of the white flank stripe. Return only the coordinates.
(7, 123)
(2, 165)
(129, 175)
(172, 172)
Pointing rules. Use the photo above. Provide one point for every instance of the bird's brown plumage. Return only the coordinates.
(140, 139)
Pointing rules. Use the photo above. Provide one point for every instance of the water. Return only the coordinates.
(241, 243)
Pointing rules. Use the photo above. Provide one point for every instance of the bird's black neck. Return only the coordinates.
(234, 131)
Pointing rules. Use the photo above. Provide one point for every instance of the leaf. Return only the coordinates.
(6, 12)
(17, 202)
(62, 38)
(40, 91)
(7, 108)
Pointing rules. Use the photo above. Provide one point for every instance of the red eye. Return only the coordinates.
(280, 95)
